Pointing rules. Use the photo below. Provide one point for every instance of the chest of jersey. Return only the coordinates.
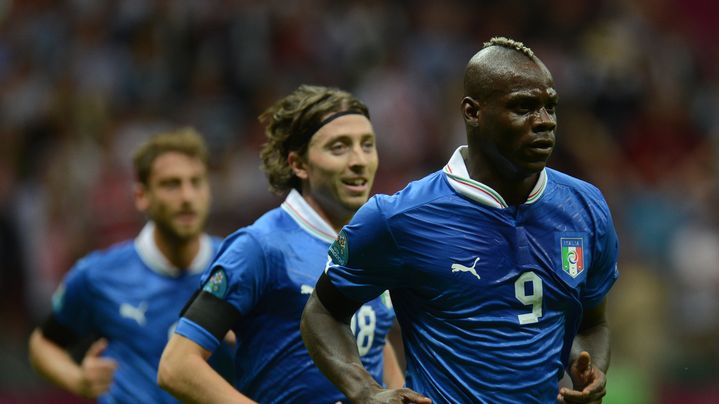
(297, 267)
(512, 265)
(141, 308)
(271, 356)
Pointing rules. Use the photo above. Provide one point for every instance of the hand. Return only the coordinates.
(589, 382)
(398, 396)
(97, 372)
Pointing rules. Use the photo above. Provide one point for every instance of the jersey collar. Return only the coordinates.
(307, 218)
(152, 256)
(458, 177)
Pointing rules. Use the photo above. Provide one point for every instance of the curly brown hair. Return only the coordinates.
(184, 140)
(287, 123)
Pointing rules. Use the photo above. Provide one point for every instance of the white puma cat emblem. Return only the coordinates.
(306, 289)
(462, 268)
(135, 313)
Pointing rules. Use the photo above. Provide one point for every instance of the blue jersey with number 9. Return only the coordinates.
(489, 297)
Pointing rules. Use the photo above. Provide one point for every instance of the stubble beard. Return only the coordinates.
(179, 234)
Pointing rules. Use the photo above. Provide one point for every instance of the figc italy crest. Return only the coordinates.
(572, 256)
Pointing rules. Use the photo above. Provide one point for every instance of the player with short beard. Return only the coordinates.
(130, 294)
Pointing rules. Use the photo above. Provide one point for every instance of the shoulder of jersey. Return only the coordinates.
(100, 259)
(216, 241)
(568, 181)
(262, 230)
(267, 224)
(578, 187)
(416, 193)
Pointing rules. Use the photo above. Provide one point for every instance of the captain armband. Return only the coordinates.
(211, 313)
(59, 334)
(339, 306)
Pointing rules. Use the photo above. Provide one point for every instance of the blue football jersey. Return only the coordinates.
(267, 271)
(489, 296)
(131, 295)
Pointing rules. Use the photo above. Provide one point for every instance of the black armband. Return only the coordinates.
(59, 334)
(339, 306)
(211, 313)
(189, 302)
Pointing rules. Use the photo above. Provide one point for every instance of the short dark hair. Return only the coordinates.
(184, 140)
(287, 123)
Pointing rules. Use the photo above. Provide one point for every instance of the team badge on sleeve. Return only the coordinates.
(217, 283)
(58, 297)
(572, 256)
(386, 299)
(339, 250)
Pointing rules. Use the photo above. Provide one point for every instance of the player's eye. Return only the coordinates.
(338, 147)
(197, 181)
(368, 145)
(525, 106)
(551, 107)
(170, 184)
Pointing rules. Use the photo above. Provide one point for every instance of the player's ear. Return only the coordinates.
(140, 193)
(470, 111)
(298, 165)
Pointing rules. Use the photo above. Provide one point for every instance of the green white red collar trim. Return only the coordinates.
(307, 218)
(151, 255)
(458, 177)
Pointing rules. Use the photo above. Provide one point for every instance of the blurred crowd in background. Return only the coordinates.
(83, 82)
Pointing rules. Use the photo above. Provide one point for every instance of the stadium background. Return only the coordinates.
(83, 81)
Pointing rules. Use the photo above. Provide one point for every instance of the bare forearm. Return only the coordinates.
(596, 341)
(393, 377)
(334, 350)
(194, 381)
(54, 363)
(187, 376)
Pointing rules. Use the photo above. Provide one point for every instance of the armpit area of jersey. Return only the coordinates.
(212, 313)
(58, 333)
(339, 306)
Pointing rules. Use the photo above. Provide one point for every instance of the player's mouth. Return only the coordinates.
(540, 148)
(186, 217)
(356, 185)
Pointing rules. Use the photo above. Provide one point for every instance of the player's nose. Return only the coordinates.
(545, 122)
(359, 157)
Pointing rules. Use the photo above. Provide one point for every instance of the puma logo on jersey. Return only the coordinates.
(306, 289)
(462, 268)
(134, 313)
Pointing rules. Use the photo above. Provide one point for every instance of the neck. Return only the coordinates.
(336, 218)
(514, 189)
(179, 252)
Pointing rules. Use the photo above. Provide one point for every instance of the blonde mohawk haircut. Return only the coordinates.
(510, 44)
